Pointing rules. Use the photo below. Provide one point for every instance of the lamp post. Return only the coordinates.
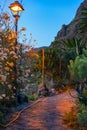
(43, 66)
(16, 9)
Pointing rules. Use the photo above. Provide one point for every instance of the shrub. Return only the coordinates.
(31, 98)
(70, 119)
(82, 115)
(1, 117)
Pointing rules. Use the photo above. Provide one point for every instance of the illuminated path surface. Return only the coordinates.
(46, 115)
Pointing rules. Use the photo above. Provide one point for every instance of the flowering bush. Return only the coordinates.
(14, 63)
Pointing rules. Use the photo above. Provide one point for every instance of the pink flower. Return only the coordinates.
(3, 95)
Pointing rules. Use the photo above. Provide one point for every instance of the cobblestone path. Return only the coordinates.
(45, 115)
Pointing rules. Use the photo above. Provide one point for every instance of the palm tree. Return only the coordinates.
(82, 25)
(83, 21)
(73, 45)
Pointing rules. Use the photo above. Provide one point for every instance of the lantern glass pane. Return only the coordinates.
(16, 9)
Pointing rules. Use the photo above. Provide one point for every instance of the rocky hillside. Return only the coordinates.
(70, 30)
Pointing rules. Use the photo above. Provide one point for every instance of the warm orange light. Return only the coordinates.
(16, 7)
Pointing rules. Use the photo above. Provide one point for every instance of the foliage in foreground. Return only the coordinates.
(82, 115)
(77, 117)
(70, 119)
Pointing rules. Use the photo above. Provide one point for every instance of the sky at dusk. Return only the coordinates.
(44, 18)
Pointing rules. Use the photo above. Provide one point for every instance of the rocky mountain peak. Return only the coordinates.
(70, 30)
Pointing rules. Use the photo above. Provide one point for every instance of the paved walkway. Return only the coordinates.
(45, 115)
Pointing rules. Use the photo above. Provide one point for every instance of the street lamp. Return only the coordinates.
(16, 9)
